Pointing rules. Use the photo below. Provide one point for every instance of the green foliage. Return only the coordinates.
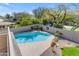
(58, 25)
(37, 27)
(17, 25)
(35, 21)
(23, 19)
(45, 21)
(25, 22)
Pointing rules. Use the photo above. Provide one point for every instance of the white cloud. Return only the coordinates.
(30, 12)
(4, 9)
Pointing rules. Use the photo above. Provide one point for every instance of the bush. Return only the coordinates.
(35, 22)
(58, 25)
(58, 34)
(25, 22)
(45, 21)
(36, 27)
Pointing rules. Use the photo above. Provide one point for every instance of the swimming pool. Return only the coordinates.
(35, 36)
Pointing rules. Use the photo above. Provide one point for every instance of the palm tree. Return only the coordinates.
(9, 17)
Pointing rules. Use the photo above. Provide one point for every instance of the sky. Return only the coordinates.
(27, 7)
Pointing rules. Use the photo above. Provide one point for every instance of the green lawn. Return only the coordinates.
(77, 29)
(70, 51)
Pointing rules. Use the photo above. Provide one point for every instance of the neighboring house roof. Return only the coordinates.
(2, 19)
(6, 23)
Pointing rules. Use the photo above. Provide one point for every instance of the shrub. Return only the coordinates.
(37, 27)
(58, 25)
(45, 21)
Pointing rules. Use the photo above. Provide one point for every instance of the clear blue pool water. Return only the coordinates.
(31, 37)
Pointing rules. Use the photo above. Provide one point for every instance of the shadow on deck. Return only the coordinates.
(48, 52)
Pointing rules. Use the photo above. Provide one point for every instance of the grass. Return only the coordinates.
(77, 29)
(70, 51)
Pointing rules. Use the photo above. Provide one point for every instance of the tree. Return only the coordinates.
(64, 16)
(9, 17)
(25, 22)
(43, 15)
(23, 18)
(20, 15)
(38, 13)
(58, 15)
(55, 17)
(45, 21)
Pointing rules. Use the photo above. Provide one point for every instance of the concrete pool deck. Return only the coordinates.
(66, 43)
(35, 48)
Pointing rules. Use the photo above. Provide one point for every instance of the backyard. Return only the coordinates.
(62, 21)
